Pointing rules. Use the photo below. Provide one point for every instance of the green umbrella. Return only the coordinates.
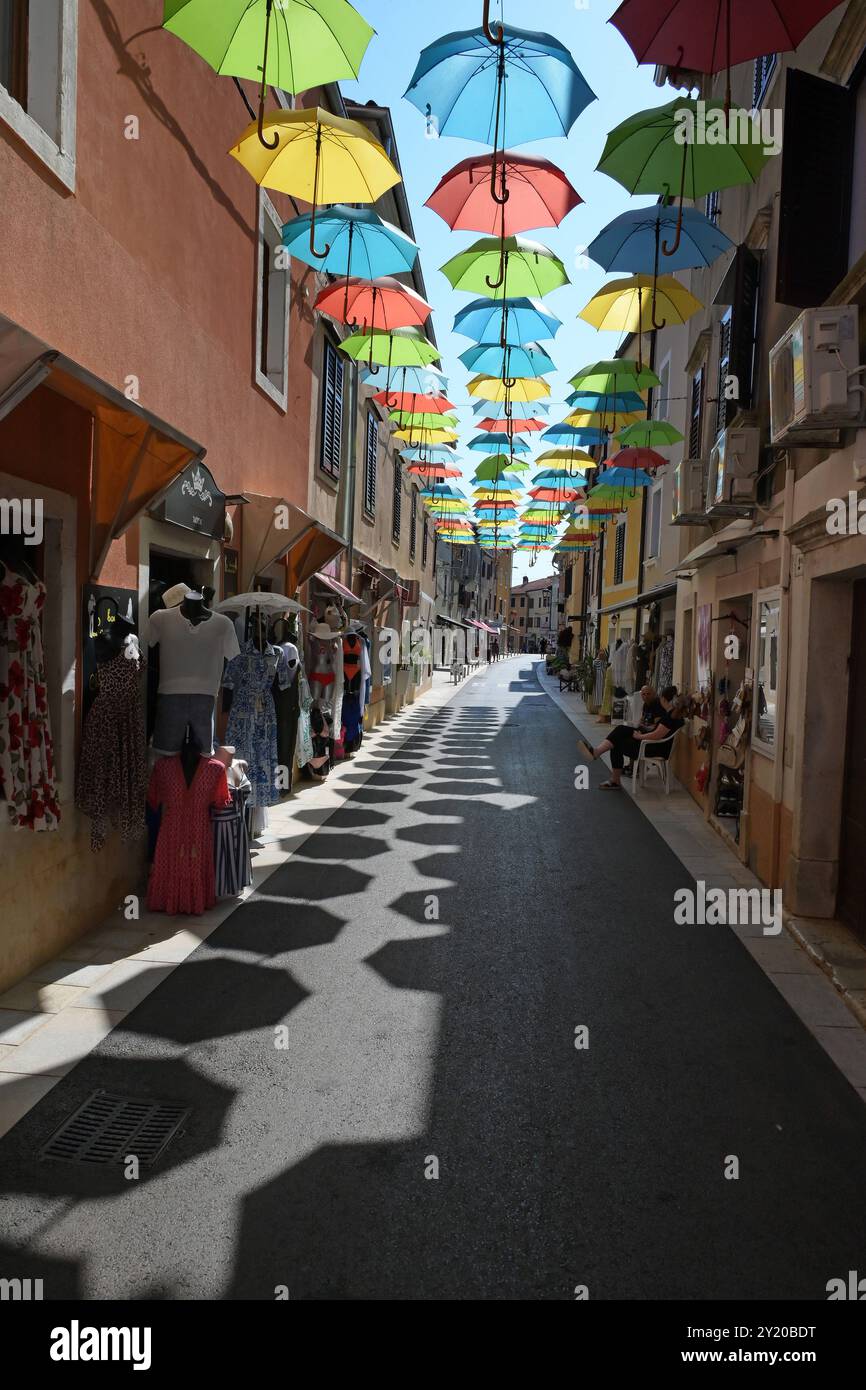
(403, 347)
(614, 377)
(294, 45)
(522, 268)
(649, 434)
(665, 149)
(407, 419)
(499, 466)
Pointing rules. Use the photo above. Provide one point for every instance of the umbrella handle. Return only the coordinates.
(500, 199)
(490, 34)
(671, 251)
(503, 263)
(664, 322)
(320, 255)
(268, 144)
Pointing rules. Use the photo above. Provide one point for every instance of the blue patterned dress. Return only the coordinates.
(252, 726)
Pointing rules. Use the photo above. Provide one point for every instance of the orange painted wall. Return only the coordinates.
(149, 268)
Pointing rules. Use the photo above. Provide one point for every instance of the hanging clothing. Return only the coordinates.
(665, 664)
(641, 665)
(353, 681)
(182, 879)
(233, 866)
(599, 671)
(27, 779)
(287, 706)
(366, 672)
(252, 722)
(304, 752)
(630, 684)
(618, 664)
(111, 785)
(606, 707)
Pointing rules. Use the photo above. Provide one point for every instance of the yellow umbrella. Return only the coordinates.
(318, 157)
(578, 459)
(600, 419)
(639, 303)
(519, 389)
(422, 437)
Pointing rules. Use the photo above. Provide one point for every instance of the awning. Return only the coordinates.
(136, 456)
(655, 595)
(451, 622)
(390, 576)
(725, 542)
(274, 530)
(329, 582)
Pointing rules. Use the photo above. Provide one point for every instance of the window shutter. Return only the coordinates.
(744, 328)
(724, 370)
(413, 525)
(397, 514)
(697, 414)
(619, 554)
(425, 544)
(763, 72)
(332, 411)
(815, 203)
(371, 464)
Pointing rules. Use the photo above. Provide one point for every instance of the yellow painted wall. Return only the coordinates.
(630, 586)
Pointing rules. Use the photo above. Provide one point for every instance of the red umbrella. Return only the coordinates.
(414, 404)
(715, 35)
(382, 304)
(512, 426)
(638, 458)
(537, 194)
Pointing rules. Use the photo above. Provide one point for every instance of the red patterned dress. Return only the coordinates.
(183, 877)
(26, 751)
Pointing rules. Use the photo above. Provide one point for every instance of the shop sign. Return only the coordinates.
(195, 502)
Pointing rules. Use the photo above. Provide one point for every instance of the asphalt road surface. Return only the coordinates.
(378, 1053)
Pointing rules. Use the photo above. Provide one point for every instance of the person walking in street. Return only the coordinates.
(494, 650)
(625, 742)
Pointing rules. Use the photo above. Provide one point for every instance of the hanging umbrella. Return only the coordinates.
(648, 154)
(421, 420)
(462, 81)
(512, 426)
(644, 458)
(603, 420)
(432, 472)
(715, 35)
(431, 453)
(414, 400)
(361, 243)
(630, 305)
(378, 304)
(515, 265)
(318, 157)
(512, 321)
(402, 347)
(571, 435)
(426, 380)
(614, 477)
(614, 376)
(650, 434)
(631, 241)
(489, 388)
(538, 194)
(294, 45)
(494, 469)
(520, 410)
(429, 436)
(571, 458)
(482, 443)
(489, 359)
(623, 403)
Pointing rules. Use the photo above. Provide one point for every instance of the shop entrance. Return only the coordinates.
(851, 904)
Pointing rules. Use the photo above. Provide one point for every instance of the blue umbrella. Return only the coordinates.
(569, 435)
(462, 81)
(427, 381)
(630, 241)
(603, 404)
(489, 359)
(484, 442)
(526, 320)
(520, 410)
(361, 243)
(429, 453)
(623, 477)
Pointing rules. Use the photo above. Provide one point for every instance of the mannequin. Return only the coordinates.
(27, 781)
(190, 756)
(111, 783)
(193, 608)
(194, 645)
(186, 786)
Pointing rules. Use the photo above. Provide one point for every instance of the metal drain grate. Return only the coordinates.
(108, 1129)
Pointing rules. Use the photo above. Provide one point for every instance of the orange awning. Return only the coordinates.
(274, 530)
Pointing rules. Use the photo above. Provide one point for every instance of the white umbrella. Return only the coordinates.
(268, 603)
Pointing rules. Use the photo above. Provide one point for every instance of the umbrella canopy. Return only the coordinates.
(378, 304)
(403, 347)
(490, 359)
(621, 477)
(615, 375)
(644, 458)
(483, 443)
(413, 401)
(489, 388)
(625, 403)
(432, 472)
(492, 469)
(311, 154)
(570, 434)
(650, 434)
(421, 420)
(361, 243)
(569, 458)
(539, 195)
(602, 419)
(267, 602)
(426, 380)
(511, 322)
(520, 410)
(510, 425)
(462, 79)
(515, 265)
(631, 241)
(429, 436)
(634, 305)
(432, 453)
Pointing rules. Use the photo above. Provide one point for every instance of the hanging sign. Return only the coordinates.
(195, 502)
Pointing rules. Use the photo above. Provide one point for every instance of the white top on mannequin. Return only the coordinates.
(191, 655)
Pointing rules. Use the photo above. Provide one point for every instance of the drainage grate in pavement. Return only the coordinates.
(109, 1128)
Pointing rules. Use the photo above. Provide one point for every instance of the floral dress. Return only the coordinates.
(252, 723)
(26, 750)
(183, 879)
(112, 771)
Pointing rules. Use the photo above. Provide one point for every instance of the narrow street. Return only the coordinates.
(386, 1100)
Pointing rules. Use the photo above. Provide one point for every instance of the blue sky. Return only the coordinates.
(403, 28)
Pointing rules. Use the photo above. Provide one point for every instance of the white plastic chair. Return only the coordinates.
(644, 761)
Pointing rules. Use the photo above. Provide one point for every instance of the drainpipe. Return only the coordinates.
(347, 523)
(784, 640)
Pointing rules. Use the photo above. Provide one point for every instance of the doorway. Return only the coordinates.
(851, 902)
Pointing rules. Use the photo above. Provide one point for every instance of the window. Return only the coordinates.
(661, 395)
(397, 514)
(766, 672)
(522, 600)
(722, 405)
(696, 415)
(413, 525)
(272, 306)
(425, 544)
(655, 527)
(764, 69)
(38, 69)
(619, 551)
(371, 464)
(331, 448)
(569, 580)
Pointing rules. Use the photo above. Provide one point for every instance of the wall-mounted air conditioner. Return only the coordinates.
(733, 473)
(689, 505)
(811, 386)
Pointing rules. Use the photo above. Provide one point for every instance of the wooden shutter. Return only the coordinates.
(815, 202)
(724, 370)
(398, 501)
(425, 544)
(619, 553)
(413, 525)
(371, 464)
(764, 67)
(332, 411)
(697, 414)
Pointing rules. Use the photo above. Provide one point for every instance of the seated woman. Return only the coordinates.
(625, 742)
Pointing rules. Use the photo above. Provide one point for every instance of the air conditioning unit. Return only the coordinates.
(733, 473)
(811, 382)
(689, 504)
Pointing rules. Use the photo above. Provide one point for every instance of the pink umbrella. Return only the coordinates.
(382, 304)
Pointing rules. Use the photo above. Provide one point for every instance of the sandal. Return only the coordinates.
(609, 787)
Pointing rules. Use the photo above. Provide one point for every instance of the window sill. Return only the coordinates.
(279, 398)
(59, 162)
